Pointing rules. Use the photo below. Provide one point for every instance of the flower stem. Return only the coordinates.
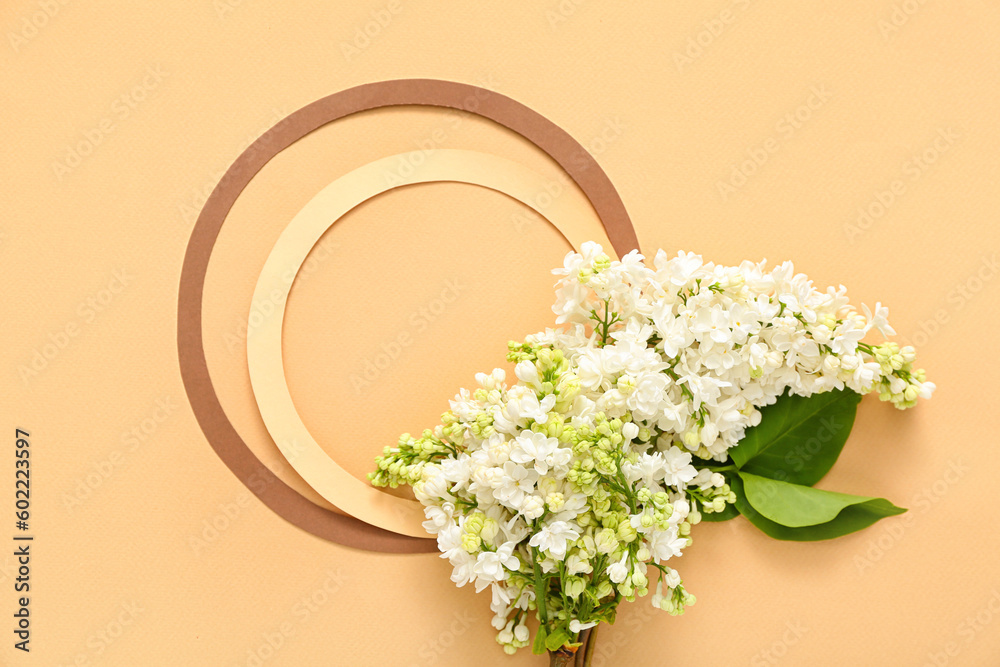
(540, 590)
(562, 658)
(589, 647)
(581, 657)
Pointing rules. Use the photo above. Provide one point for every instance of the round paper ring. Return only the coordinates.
(215, 424)
(264, 352)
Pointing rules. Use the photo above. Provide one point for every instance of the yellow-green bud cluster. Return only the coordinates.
(901, 383)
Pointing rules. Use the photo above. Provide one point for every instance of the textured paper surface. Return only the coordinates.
(175, 558)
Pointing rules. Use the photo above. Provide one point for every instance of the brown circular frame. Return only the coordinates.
(220, 432)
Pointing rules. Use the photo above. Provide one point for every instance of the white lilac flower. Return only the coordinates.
(666, 544)
(677, 467)
(619, 571)
(540, 451)
(584, 470)
(523, 404)
(490, 565)
(517, 482)
(650, 392)
(649, 468)
(464, 568)
(577, 626)
(879, 321)
(554, 537)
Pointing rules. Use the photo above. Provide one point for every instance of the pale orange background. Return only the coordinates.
(667, 131)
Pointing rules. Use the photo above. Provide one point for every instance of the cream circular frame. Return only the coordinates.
(264, 356)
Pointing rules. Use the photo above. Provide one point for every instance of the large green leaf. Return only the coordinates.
(794, 505)
(851, 517)
(799, 437)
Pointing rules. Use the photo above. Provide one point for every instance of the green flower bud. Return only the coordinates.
(626, 533)
(691, 439)
(489, 530)
(471, 543)
(575, 587)
(474, 523)
(555, 501)
(606, 541)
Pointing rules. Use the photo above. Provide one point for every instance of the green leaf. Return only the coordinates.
(538, 648)
(557, 639)
(799, 437)
(851, 517)
(794, 505)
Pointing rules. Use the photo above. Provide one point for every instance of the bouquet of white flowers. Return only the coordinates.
(674, 394)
